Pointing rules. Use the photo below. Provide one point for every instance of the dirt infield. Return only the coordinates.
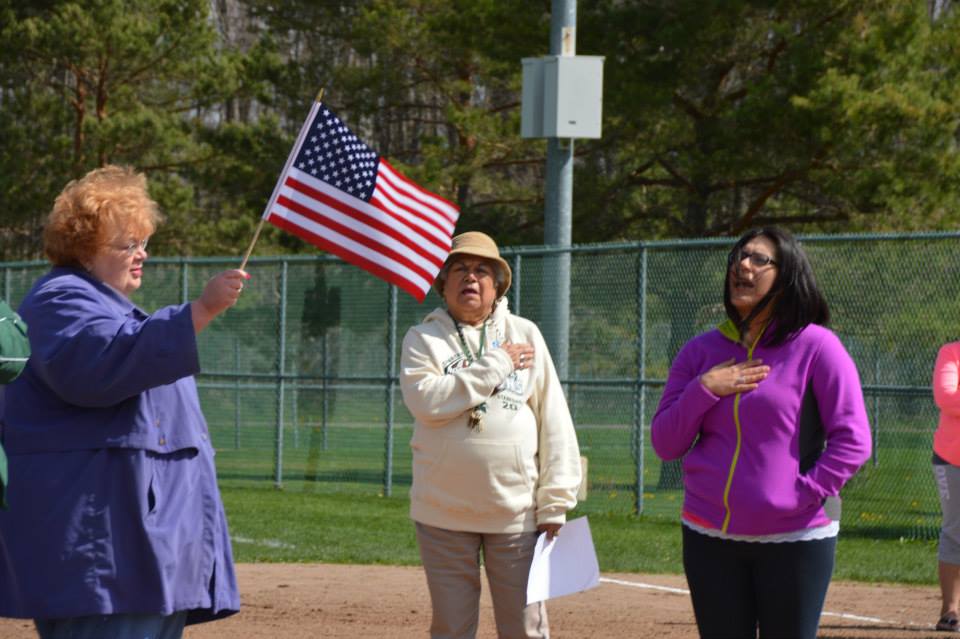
(301, 601)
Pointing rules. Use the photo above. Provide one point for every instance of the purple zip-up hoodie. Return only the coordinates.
(763, 462)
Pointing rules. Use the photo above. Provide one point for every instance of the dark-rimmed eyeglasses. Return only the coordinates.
(132, 247)
(757, 260)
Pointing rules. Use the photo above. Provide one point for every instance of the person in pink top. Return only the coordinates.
(946, 470)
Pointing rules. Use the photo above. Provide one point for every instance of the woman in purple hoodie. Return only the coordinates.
(768, 414)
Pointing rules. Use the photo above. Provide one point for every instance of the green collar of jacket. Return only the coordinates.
(729, 330)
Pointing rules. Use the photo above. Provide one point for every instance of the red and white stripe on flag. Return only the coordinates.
(401, 234)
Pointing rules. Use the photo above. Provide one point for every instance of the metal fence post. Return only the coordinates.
(515, 284)
(184, 281)
(876, 406)
(323, 411)
(294, 409)
(391, 384)
(281, 368)
(640, 390)
(236, 393)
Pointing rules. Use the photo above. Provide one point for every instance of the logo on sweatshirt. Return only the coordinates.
(455, 362)
(511, 384)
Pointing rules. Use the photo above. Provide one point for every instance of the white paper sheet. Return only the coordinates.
(566, 565)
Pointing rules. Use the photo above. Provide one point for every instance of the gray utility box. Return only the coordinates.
(562, 97)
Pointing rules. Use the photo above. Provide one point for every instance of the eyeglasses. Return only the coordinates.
(132, 247)
(757, 260)
(480, 269)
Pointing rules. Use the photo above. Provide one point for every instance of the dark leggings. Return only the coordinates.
(737, 586)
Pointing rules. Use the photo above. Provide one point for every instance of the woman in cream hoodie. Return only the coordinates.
(495, 455)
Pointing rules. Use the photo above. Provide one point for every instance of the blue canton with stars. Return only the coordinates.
(332, 153)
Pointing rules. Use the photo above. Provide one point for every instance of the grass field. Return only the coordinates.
(892, 497)
(334, 504)
(296, 525)
(332, 508)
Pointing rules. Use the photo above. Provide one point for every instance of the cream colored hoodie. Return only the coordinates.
(522, 467)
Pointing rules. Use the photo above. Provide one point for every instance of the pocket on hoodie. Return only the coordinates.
(780, 496)
(478, 477)
(806, 496)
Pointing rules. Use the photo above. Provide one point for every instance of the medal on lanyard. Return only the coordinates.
(475, 421)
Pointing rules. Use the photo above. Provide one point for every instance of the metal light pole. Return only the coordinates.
(558, 213)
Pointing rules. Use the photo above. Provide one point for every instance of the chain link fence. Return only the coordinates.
(299, 381)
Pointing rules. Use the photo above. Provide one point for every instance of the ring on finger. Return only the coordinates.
(741, 380)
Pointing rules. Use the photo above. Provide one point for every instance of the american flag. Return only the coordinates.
(337, 193)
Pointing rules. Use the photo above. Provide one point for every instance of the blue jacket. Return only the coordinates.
(115, 507)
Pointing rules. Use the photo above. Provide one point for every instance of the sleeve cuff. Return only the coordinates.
(706, 392)
(697, 398)
(551, 517)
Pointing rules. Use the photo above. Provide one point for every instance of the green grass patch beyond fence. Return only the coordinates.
(270, 525)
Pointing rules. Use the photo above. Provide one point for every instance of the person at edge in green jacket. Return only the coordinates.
(14, 352)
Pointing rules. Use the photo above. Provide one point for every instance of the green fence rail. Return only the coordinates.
(300, 378)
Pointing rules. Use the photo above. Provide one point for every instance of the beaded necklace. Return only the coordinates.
(476, 415)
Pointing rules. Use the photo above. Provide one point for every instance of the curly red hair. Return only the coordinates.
(90, 212)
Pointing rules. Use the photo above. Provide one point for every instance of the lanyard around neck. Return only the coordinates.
(463, 341)
(475, 419)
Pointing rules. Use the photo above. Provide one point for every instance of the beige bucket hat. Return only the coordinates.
(480, 245)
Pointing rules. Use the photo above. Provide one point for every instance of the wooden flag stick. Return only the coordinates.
(256, 234)
(263, 219)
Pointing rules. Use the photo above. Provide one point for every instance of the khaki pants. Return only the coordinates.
(451, 560)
